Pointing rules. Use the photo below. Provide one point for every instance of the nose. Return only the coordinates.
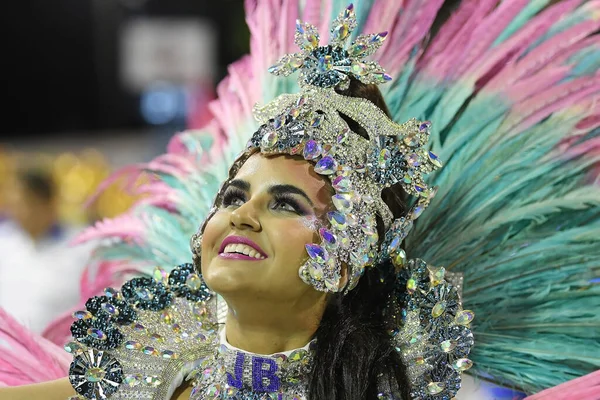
(245, 217)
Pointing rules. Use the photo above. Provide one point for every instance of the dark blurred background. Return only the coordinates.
(90, 86)
(86, 66)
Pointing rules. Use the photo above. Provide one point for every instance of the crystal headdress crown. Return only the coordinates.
(309, 124)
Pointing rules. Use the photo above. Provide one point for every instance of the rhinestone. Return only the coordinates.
(73, 348)
(294, 112)
(157, 338)
(438, 309)
(343, 239)
(166, 317)
(343, 136)
(465, 317)
(384, 158)
(95, 374)
(411, 285)
(437, 275)
(317, 253)
(312, 150)
(132, 345)
(307, 36)
(419, 361)
(328, 237)
(337, 220)
(332, 283)
(176, 328)
(341, 32)
(279, 121)
(149, 350)
(326, 166)
(425, 126)
(394, 244)
(462, 364)
(144, 293)
(109, 308)
(400, 259)
(193, 282)
(160, 275)
(368, 199)
(434, 160)
(413, 160)
(412, 140)
(132, 380)
(315, 271)
(269, 140)
(325, 64)
(298, 355)
(448, 345)
(407, 179)
(341, 184)
(199, 311)
(315, 122)
(96, 334)
(435, 387)
(301, 101)
(82, 315)
(112, 294)
(139, 327)
(343, 202)
(381, 77)
(152, 380)
(351, 219)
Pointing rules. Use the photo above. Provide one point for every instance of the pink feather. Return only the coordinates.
(584, 388)
(126, 227)
(24, 352)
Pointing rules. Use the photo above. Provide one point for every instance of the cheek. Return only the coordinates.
(297, 235)
(214, 231)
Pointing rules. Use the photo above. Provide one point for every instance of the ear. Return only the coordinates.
(344, 277)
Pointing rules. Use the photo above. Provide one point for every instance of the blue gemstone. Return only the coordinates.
(312, 150)
(317, 253)
(326, 166)
(328, 236)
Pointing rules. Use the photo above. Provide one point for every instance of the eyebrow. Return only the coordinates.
(273, 190)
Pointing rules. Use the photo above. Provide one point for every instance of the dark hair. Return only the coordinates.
(354, 354)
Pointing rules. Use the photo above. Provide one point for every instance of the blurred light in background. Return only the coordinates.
(163, 103)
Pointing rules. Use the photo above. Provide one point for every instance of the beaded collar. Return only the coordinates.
(231, 373)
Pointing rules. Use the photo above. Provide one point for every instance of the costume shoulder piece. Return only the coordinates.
(140, 341)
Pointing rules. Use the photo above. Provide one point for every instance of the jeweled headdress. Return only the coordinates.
(310, 124)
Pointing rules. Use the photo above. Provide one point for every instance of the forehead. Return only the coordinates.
(263, 171)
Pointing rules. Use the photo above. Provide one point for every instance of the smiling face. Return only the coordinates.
(255, 243)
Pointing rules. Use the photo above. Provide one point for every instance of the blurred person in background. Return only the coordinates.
(39, 271)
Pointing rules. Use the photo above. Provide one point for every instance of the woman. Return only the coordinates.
(287, 246)
(355, 253)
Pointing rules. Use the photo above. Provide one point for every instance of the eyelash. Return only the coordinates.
(233, 193)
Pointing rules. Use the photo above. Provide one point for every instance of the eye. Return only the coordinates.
(284, 205)
(233, 198)
(288, 204)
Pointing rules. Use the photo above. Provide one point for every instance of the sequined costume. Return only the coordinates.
(512, 91)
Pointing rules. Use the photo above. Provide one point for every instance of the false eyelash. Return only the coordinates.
(232, 193)
(289, 199)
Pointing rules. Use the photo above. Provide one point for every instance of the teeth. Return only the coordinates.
(243, 249)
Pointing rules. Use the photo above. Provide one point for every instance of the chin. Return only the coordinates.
(234, 277)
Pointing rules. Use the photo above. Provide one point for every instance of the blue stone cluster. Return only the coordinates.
(147, 294)
(416, 292)
(177, 283)
(125, 313)
(318, 73)
(393, 169)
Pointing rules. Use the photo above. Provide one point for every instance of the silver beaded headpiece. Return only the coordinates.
(309, 124)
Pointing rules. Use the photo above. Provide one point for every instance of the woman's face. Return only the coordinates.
(255, 243)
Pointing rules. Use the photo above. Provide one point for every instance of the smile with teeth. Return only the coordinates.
(243, 249)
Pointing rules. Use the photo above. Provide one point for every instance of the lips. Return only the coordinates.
(237, 243)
